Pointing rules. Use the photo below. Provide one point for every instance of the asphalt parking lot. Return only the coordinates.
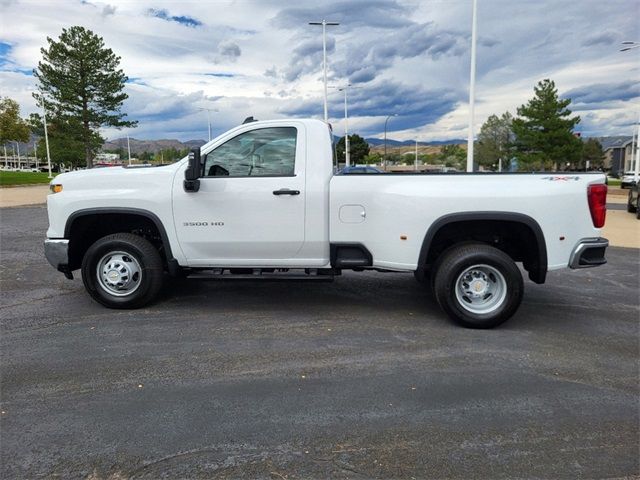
(363, 377)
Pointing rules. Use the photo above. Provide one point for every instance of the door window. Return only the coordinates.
(266, 152)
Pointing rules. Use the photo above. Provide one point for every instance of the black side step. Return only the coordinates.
(258, 274)
(350, 255)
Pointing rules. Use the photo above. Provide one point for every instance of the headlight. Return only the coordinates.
(55, 187)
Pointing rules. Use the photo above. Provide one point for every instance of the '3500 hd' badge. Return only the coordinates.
(203, 224)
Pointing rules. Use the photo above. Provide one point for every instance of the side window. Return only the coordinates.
(266, 152)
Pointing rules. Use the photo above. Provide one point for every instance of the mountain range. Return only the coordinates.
(153, 146)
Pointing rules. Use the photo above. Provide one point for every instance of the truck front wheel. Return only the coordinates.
(477, 285)
(122, 270)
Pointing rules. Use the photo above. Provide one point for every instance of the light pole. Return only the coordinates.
(209, 110)
(472, 86)
(384, 159)
(46, 137)
(324, 24)
(346, 123)
(628, 45)
(636, 171)
(19, 159)
(129, 149)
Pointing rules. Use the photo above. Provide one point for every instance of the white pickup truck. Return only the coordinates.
(262, 200)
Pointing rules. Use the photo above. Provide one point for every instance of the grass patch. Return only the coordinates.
(613, 182)
(8, 179)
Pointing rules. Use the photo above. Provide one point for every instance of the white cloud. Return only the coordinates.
(261, 58)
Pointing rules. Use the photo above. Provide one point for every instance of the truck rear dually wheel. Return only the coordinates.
(477, 285)
(122, 270)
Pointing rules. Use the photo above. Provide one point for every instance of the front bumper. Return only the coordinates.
(589, 252)
(57, 253)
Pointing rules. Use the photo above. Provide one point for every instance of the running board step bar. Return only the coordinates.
(260, 274)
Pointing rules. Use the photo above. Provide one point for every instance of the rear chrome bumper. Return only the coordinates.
(57, 253)
(589, 252)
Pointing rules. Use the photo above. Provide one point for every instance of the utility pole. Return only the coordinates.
(472, 86)
(324, 24)
(416, 161)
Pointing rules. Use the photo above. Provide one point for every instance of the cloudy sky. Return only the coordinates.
(261, 58)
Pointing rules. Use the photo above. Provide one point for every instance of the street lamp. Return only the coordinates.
(129, 149)
(636, 171)
(324, 24)
(346, 123)
(46, 137)
(209, 110)
(472, 85)
(384, 160)
(19, 159)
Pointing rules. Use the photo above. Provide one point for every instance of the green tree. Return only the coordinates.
(544, 130)
(592, 152)
(453, 156)
(64, 144)
(358, 149)
(12, 127)
(373, 158)
(81, 86)
(495, 141)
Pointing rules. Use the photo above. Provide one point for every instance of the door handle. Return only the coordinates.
(286, 191)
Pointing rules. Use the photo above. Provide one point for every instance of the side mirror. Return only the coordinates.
(192, 173)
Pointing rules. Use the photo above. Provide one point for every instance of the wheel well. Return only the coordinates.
(523, 242)
(84, 230)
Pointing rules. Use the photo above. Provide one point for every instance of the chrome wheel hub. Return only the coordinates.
(481, 289)
(119, 273)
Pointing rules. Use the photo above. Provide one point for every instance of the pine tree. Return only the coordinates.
(592, 152)
(544, 130)
(81, 86)
(65, 146)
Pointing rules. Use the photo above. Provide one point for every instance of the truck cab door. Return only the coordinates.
(250, 207)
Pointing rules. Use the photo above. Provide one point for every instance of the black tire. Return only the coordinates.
(486, 267)
(130, 253)
(638, 206)
(631, 208)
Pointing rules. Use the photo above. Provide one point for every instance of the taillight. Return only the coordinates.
(597, 196)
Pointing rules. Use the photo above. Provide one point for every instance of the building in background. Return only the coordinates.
(618, 154)
(107, 159)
